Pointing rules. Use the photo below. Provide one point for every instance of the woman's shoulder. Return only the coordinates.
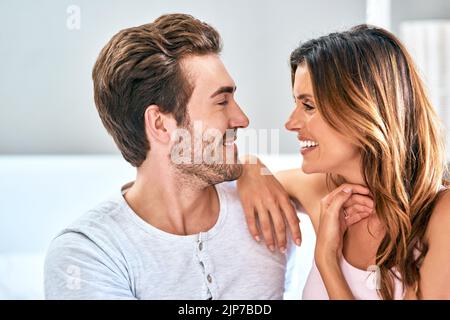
(439, 224)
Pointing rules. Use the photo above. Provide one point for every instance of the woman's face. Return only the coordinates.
(324, 149)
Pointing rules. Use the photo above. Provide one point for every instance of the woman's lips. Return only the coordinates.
(306, 150)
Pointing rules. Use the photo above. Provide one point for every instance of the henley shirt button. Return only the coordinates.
(209, 278)
(201, 263)
(200, 246)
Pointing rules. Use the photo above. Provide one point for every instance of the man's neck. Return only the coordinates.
(172, 203)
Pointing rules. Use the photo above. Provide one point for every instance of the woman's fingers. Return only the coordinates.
(293, 221)
(337, 201)
(250, 216)
(356, 217)
(360, 200)
(355, 212)
(266, 226)
(355, 189)
(279, 226)
(356, 208)
(266, 202)
(272, 222)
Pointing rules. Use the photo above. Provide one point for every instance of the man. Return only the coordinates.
(178, 231)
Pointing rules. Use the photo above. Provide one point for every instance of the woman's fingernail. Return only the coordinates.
(298, 242)
(347, 190)
(283, 249)
(257, 239)
(271, 248)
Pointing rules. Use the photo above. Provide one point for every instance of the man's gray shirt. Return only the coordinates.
(111, 253)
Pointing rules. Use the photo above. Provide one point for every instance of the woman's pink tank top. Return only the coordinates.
(362, 283)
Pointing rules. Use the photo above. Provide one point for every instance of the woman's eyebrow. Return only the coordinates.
(304, 96)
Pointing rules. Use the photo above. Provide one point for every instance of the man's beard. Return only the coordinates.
(210, 172)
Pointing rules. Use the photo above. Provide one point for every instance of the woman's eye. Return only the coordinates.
(307, 107)
(223, 103)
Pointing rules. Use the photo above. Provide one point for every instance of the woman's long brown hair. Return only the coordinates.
(367, 87)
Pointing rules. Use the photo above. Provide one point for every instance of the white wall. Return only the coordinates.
(402, 10)
(46, 103)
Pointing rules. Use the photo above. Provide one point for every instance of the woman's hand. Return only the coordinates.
(266, 201)
(346, 205)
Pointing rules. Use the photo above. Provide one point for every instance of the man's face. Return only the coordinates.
(214, 117)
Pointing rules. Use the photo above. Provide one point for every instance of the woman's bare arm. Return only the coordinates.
(266, 201)
(435, 269)
(305, 189)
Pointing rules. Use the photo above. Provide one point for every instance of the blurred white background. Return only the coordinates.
(56, 160)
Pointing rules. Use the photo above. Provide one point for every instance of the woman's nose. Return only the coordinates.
(294, 122)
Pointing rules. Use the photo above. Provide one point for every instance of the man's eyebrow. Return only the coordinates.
(225, 89)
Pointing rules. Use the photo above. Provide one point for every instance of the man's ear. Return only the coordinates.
(158, 125)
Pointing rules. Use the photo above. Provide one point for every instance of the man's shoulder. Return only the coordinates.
(93, 237)
(97, 225)
(88, 252)
(102, 213)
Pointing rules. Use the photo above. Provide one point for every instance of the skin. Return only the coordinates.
(273, 208)
(335, 234)
(334, 154)
(184, 201)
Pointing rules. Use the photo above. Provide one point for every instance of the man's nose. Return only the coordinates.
(238, 119)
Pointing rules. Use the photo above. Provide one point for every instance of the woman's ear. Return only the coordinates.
(158, 126)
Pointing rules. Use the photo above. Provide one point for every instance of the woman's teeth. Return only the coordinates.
(308, 143)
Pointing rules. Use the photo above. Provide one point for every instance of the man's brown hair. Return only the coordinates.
(141, 66)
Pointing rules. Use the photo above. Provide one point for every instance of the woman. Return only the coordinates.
(372, 151)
